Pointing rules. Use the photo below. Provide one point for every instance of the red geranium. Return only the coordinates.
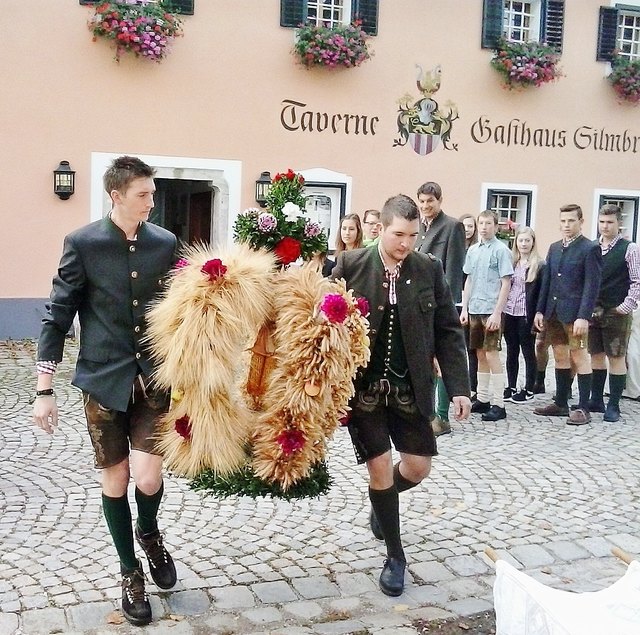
(214, 269)
(183, 427)
(288, 250)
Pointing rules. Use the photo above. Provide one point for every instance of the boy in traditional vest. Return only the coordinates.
(611, 324)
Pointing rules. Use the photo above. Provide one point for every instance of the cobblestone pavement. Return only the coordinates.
(550, 498)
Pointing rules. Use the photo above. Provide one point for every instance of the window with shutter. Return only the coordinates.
(619, 32)
(293, 13)
(516, 21)
(184, 7)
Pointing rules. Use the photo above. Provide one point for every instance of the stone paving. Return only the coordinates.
(550, 498)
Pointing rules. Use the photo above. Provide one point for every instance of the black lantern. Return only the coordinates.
(64, 180)
(263, 185)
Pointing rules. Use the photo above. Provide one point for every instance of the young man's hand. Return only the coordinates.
(461, 407)
(464, 316)
(493, 322)
(580, 327)
(538, 321)
(45, 413)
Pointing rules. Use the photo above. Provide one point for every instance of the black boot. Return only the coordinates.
(161, 566)
(135, 603)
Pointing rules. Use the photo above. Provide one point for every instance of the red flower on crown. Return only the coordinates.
(183, 427)
(214, 269)
(288, 250)
(362, 304)
(290, 441)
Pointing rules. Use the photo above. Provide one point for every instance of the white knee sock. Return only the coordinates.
(497, 385)
(484, 380)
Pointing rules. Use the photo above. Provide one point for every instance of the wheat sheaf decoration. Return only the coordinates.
(260, 363)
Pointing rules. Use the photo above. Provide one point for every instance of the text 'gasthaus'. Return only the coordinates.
(294, 117)
(519, 133)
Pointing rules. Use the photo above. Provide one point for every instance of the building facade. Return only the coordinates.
(230, 102)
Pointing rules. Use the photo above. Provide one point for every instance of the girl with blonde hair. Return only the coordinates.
(519, 312)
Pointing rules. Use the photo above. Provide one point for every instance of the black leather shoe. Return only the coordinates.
(135, 603)
(392, 577)
(495, 414)
(375, 525)
(480, 406)
(611, 414)
(161, 566)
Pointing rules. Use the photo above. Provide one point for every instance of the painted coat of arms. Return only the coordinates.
(424, 124)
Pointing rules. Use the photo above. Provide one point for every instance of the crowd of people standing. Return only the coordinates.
(578, 301)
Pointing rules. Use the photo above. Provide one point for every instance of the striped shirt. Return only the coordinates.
(517, 299)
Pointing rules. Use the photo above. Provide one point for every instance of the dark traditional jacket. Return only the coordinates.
(108, 281)
(571, 280)
(532, 293)
(429, 322)
(445, 239)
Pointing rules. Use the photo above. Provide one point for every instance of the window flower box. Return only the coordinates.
(332, 47)
(145, 28)
(524, 64)
(625, 79)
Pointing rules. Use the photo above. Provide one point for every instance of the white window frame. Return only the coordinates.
(636, 15)
(346, 13)
(622, 9)
(535, 21)
(615, 193)
(513, 188)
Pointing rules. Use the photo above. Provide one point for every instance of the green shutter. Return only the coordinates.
(367, 12)
(553, 26)
(185, 7)
(293, 13)
(607, 34)
(491, 23)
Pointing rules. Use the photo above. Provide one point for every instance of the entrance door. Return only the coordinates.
(200, 217)
(184, 208)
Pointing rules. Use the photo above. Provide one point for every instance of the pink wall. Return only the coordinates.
(219, 95)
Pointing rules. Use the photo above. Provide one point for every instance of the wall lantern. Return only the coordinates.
(263, 185)
(64, 180)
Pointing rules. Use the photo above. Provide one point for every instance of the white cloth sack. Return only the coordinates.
(633, 359)
(527, 607)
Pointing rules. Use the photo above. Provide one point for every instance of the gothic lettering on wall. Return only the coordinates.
(423, 124)
(294, 117)
(517, 132)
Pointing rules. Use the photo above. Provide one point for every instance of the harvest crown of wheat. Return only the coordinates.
(259, 359)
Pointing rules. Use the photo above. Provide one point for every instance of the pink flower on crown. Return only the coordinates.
(334, 307)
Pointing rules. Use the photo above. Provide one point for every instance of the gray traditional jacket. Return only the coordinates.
(108, 281)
